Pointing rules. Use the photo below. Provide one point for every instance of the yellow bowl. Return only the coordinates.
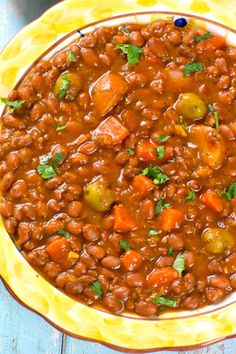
(181, 330)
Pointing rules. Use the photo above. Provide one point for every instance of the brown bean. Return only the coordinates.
(18, 190)
(91, 232)
(147, 210)
(88, 147)
(7, 181)
(145, 308)
(121, 292)
(13, 160)
(88, 261)
(189, 282)
(189, 259)
(53, 183)
(233, 281)
(6, 209)
(96, 251)
(24, 232)
(191, 302)
(165, 261)
(38, 257)
(135, 279)
(215, 266)
(53, 226)
(52, 269)
(176, 241)
(30, 211)
(89, 56)
(219, 281)
(111, 262)
(79, 269)
(62, 279)
(74, 209)
(74, 227)
(214, 295)
(112, 303)
(60, 60)
(12, 122)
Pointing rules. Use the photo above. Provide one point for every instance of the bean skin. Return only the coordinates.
(52, 269)
(6, 209)
(13, 122)
(53, 226)
(111, 262)
(145, 308)
(18, 189)
(90, 232)
(96, 251)
(113, 304)
(74, 209)
(191, 302)
(74, 227)
(175, 241)
(135, 279)
(214, 295)
(79, 269)
(121, 292)
(219, 281)
(7, 181)
(13, 160)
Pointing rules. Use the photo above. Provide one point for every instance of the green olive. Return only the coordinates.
(191, 106)
(68, 85)
(218, 240)
(98, 196)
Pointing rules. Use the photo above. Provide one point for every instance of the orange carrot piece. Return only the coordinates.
(213, 43)
(123, 221)
(163, 276)
(212, 200)
(58, 249)
(111, 131)
(171, 218)
(132, 260)
(146, 151)
(142, 185)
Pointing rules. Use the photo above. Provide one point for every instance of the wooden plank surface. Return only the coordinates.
(21, 331)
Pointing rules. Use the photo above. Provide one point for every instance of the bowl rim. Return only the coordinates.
(19, 82)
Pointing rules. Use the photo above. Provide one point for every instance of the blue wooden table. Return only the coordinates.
(21, 331)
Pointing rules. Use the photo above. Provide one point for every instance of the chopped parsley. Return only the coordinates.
(193, 67)
(59, 127)
(219, 193)
(206, 35)
(156, 174)
(154, 232)
(64, 87)
(97, 289)
(132, 51)
(125, 245)
(125, 30)
(215, 115)
(170, 251)
(191, 196)
(231, 192)
(161, 300)
(183, 124)
(162, 138)
(179, 263)
(160, 206)
(160, 150)
(131, 152)
(72, 57)
(47, 171)
(13, 104)
(64, 233)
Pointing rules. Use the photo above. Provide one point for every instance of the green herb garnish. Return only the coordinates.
(57, 158)
(64, 233)
(160, 150)
(215, 115)
(97, 289)
(45, 170)
(59, 127)
(154, 232)
(64, 86)
(72, 57)
(156, 174)
(219, 193)
(231, 192)
(161, 300)
(179, 263)
(125, 30)
(191, 196)
(162, 138)
(206, 35)
(131, 152)
(193, 67)
(125, 245)
(183, 124)
(160, 206)
(132, 51)
(13, 104)
(170, 251)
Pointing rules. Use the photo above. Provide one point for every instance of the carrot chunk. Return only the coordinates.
(58, 249)
(213, 43)
(171, 218)
(132, 260)
(163, 276)
(212, 200)
(123, 221)
(111, 131)
(142, 185)
(146, 151)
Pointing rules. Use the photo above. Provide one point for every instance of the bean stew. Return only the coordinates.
(118, 168)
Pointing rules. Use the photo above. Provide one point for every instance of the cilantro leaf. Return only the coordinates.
(215, 115)
(72, 57)
(125, 245)
(193, 67)
(191, 196)
(131, 152)
(160, 206)
(13, 104)
(162, 138)
(231, 192)
(219, 193)
(183, 124)
(154, 232)
(179, 263)
(125, 30)
(59, 127)
(206, 35)
(57, 158)
(132, 51)
(64, 86)
(45, 170)
(161, 300)
(156, 174)
(160, 150)
(170, 251)
(64, 233)
(97, 289)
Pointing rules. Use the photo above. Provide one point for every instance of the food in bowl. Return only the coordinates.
(118, 168)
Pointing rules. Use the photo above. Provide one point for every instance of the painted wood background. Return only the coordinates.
(21, 331)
